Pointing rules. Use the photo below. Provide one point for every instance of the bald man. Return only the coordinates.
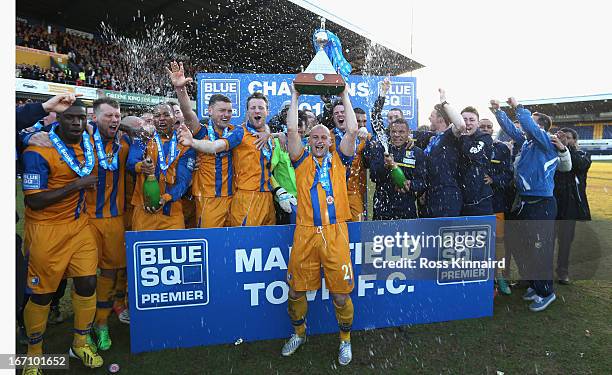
(321, 234)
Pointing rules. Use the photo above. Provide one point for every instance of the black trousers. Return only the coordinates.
(565, 230)
(535, 253)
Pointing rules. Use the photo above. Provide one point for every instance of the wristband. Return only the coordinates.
(26, 138)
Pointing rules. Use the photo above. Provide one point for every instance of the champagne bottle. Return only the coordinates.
(151, 192)
(397, 176)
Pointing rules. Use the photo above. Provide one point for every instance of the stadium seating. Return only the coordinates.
(92, 62)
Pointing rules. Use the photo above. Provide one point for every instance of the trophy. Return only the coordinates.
(320, 78)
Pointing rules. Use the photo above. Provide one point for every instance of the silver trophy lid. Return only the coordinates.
(321, 36)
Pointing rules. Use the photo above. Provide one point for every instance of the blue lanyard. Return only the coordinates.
(433, 142)
(212, 135)
(340, 134)
(322, 173)
(38, 126)
(161, 158)
(101, 151)
(68, 159)
(267, 152)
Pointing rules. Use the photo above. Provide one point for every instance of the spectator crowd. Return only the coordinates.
(91, 62)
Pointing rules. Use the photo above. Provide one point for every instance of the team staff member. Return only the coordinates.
(474, 163)
(58, 238)
(572, 203)
(253, 203)
(105, 209)
(172, 165)
(443, 194)
(535, 168)
(499, 178)
(391, 202)
(213, 182)
(321, 234)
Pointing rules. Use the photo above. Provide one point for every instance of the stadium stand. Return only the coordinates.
(91, 61)
(590, 116)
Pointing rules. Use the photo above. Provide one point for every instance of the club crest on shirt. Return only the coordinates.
(35, 280)
(330, 200)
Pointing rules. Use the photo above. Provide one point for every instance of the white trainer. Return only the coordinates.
(345, 354)
(124, 316)
(292, 345)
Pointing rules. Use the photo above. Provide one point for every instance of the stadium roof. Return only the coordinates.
(569, 99)
(573, 109)
(247, 36)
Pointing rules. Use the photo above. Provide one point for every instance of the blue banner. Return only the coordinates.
(213, 286)
(363, 91)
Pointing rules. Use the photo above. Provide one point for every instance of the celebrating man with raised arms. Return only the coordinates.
(321, 234)
(213, 184)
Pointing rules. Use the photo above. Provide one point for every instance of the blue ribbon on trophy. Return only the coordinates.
(333, 50)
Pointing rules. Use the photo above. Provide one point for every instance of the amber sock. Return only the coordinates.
(344, 314)
(35, 317)
(297, 309)
(84, 311)
(104, 291)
